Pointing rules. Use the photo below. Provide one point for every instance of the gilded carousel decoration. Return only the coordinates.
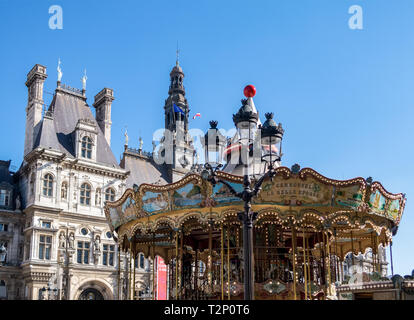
(278, 235)
(305, 225)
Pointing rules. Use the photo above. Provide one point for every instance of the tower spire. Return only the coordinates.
(177, 62)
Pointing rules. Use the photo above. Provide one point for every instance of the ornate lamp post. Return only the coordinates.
(271, 138)
(51, 293)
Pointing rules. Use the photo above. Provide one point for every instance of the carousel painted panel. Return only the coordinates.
(377, 202)
(295, 192)
(349, 196)
(153, 202)
(222, 195)
(115, 216)
(128, 210)
(393, 211)
(189, 196)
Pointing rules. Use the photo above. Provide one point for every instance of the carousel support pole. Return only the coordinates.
(392, 264)
(329, 262)
(377, 260)
(309, 270)
(341, 261)
(130, 273)
(294, 261)
(153, 267)
(119, 271)
(320, 262)
(176, 265)
(337, 276)
(373, 252)
(222, 263)
(180, 270)
(304, 265)
(228, 263)
(210, 257)
(133, 287)
(324, 254)
(352, 248)
(196, 272)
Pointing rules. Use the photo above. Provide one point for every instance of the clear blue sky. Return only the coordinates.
(345, 97)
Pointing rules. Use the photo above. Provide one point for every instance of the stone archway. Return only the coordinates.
(94, 290)
(91, 294)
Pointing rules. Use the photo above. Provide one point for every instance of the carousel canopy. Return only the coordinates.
(353, 208)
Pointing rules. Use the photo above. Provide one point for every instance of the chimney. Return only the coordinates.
(103, 104)
(35, 80)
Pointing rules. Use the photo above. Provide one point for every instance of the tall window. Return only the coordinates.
(48, 185)
(83, 252)
(98, 197)
(86, 150)
(108, 255)
(4, 227)
(4, 197)
(85, 194)
(45, 245)
(109, 194)
(64, 191)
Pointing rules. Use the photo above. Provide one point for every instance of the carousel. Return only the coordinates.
(282, 235)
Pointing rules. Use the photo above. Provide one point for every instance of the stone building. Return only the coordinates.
(11, 235)
(60, 245)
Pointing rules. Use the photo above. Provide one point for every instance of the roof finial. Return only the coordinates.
(177, 53)
(84, 78)
(126, 137)
(59, 70)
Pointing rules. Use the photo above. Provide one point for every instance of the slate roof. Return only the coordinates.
(5, 175)
(57, 131)
(143, 170)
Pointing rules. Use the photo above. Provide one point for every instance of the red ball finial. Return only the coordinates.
(249, 91)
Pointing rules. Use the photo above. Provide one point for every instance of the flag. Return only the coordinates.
(178, 109)
(198, 114)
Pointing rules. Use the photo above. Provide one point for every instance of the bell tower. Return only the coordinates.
(176, 111)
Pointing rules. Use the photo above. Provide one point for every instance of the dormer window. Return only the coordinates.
(86, 149)
(48, 185)
(4, 197)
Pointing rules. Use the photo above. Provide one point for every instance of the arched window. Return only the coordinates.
(86, 150)
(109, 194)
(98, 197)
(85, 194)
(48, 185)
(64, 191)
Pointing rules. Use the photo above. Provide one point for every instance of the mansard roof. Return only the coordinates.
(59, 123)
(143, 169)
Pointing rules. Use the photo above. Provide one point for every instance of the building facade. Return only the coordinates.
(58, 242)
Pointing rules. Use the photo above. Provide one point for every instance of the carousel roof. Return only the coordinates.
(301, 197)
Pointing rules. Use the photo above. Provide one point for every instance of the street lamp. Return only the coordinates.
(214, 142)
(271, 137)
(50, 291)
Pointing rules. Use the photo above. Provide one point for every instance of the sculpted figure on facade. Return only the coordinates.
(62, 240)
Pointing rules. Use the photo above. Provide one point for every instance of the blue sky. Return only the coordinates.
(345, 97)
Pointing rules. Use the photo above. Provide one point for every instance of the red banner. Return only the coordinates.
(161, 279)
